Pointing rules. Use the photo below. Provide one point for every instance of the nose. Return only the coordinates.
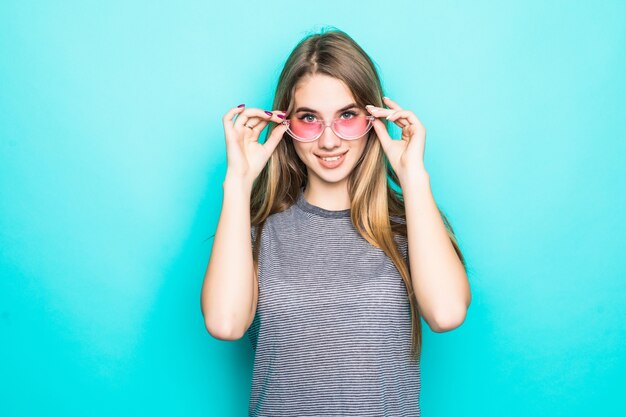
(329, 140)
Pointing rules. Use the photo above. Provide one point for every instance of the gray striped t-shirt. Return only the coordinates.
(332, 330)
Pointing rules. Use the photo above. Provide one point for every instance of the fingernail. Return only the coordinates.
(269, 113)
(241, 105)
(282, 116)
(385, 98)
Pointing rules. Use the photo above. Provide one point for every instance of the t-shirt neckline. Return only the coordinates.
(308, 207)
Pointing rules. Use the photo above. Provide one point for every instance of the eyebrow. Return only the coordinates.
(349, 106)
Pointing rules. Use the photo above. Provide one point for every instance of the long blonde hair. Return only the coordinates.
(374, 202)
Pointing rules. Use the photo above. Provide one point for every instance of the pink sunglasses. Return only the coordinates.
(348, 129)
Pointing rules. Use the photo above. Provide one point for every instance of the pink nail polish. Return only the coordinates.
(282, 116)
(241, 105)
(269, 113)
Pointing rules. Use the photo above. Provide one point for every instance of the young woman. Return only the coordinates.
(330, 247)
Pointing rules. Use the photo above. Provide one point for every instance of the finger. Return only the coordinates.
(274, 138)
(387, 113)
(391, 104)
(227, 119)
(244, 116)
(383, 136)
(398, 120)
(253, 113)
(276, 118)
(408, 115)
(378, 111)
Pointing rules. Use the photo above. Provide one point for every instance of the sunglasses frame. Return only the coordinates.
(287, 122)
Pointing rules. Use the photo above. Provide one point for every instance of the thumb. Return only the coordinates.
(383, 136)
(272, 141)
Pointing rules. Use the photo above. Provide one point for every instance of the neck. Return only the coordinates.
(329, 196)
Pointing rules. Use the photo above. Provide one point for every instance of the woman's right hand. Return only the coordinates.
(245, 155)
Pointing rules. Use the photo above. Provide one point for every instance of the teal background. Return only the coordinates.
(112, 159)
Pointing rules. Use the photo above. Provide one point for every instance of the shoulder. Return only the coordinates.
(276, 223)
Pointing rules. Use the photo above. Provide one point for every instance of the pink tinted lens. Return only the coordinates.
(303, 129)
(353, 127)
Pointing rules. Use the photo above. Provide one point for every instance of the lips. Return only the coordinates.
(330, 155)
(334, 163)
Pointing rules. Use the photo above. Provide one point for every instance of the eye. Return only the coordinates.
(305, 116)
(350, 114)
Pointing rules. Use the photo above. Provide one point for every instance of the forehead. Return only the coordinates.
(322, 93)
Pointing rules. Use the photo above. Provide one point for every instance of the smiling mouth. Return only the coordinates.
(331, 158)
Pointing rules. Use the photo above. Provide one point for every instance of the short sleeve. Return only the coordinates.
(402, 241)
(263, 246)
(403, 247)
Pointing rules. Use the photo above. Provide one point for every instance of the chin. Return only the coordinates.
(332, 175)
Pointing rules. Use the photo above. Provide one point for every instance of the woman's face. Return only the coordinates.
(326, 98)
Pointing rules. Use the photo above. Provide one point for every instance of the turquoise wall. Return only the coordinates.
(112, 158)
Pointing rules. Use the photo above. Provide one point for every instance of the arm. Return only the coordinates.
(229, 288)
(439, 279)
(229, 293)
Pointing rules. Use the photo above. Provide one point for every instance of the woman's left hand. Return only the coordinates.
(406, 156)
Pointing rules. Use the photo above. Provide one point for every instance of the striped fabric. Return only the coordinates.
(332, 331)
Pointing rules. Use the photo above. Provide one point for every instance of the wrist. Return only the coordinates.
(416, 178)
(237, 183)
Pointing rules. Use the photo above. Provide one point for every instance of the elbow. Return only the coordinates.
(219, 326)
(450, 319)
(222, 332)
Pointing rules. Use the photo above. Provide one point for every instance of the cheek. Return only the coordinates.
(301, 150)
(360, 148)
